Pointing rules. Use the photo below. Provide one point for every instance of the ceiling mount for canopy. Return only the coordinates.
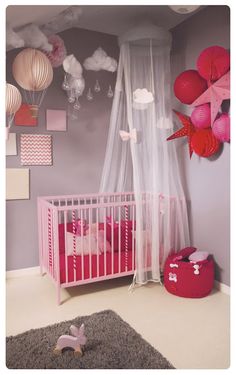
(140, 35)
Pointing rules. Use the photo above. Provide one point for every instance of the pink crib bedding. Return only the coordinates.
(125, 259)
(122, 262)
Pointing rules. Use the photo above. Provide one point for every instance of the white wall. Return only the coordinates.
(206, 181)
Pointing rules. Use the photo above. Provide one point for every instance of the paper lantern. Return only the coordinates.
(58, 54)
(33, 71)
(213, 62)
(13, 99)
(13, 103)
(188, 86)
(201, 116)
(221, 128)
(204, 143)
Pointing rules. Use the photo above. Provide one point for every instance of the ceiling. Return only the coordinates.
(107, 19)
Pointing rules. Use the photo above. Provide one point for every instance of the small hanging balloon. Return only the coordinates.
(110, 92)
(97, 87)
(13, 103)
(89, 95)
(33, 72)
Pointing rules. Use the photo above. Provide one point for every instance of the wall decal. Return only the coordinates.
(17, 183)
(36, 149)
(23, 116)
(11, 148)
(56, 119)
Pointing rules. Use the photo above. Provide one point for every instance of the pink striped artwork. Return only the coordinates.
(36, 149)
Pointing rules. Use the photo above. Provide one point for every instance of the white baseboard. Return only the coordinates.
(23, 272)
(36, 271)
(222, 287)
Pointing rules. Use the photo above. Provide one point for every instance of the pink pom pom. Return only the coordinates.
(221, 128)
(58, 53)
(201, 116)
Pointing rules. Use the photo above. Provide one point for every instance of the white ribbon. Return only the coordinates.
(125, 136)
(173, 277)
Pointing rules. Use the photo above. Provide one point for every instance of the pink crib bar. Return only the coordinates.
(56, 213)
(58, 216)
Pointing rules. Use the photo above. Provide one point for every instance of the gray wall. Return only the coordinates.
(78, 154)
(207, 182)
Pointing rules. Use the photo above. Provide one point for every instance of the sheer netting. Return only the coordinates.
(148, 165)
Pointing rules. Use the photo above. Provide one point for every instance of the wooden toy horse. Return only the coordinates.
(76, 341)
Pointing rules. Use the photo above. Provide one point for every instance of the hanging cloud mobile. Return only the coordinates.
(73, 82)
(143, 96)
(100, 61)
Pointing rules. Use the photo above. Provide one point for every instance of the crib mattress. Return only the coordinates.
(101, 265)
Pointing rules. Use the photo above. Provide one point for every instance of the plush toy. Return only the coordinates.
(81, 227)
(221, 128)
(201, 116)
(188, 86)
(198, 256)
(213, 62)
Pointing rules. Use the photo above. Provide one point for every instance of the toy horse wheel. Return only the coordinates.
(57, 351)
(78, 352)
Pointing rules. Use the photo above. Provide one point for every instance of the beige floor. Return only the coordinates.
(190, 333)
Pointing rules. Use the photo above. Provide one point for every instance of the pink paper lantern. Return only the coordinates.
(221, 128)
(58, 54)
(188, 86)
(213, 62)
(201, 116)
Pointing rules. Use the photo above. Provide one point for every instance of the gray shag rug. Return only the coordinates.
(111, 344)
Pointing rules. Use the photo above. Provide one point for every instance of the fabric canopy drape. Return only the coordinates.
(149, 167)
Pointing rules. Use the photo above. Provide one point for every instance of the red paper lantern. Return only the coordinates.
(204, 143)
(188, 86)
(213, 62)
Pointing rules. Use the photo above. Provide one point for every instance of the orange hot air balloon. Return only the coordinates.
(33, 72)
(13, 103)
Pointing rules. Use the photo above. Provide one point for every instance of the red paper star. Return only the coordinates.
(187, 130)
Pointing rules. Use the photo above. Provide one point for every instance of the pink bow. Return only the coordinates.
(125, 136)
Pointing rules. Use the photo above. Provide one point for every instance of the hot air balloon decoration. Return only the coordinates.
(33, 72)
(13, 103)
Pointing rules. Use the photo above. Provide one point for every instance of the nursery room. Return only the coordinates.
(117, 187)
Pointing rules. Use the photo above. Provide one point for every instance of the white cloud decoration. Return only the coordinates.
(72, 66)
(143, 96)
(33, 37)
(100, 61)
(13, 39)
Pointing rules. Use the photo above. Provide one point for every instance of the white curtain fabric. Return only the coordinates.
(150, 166)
